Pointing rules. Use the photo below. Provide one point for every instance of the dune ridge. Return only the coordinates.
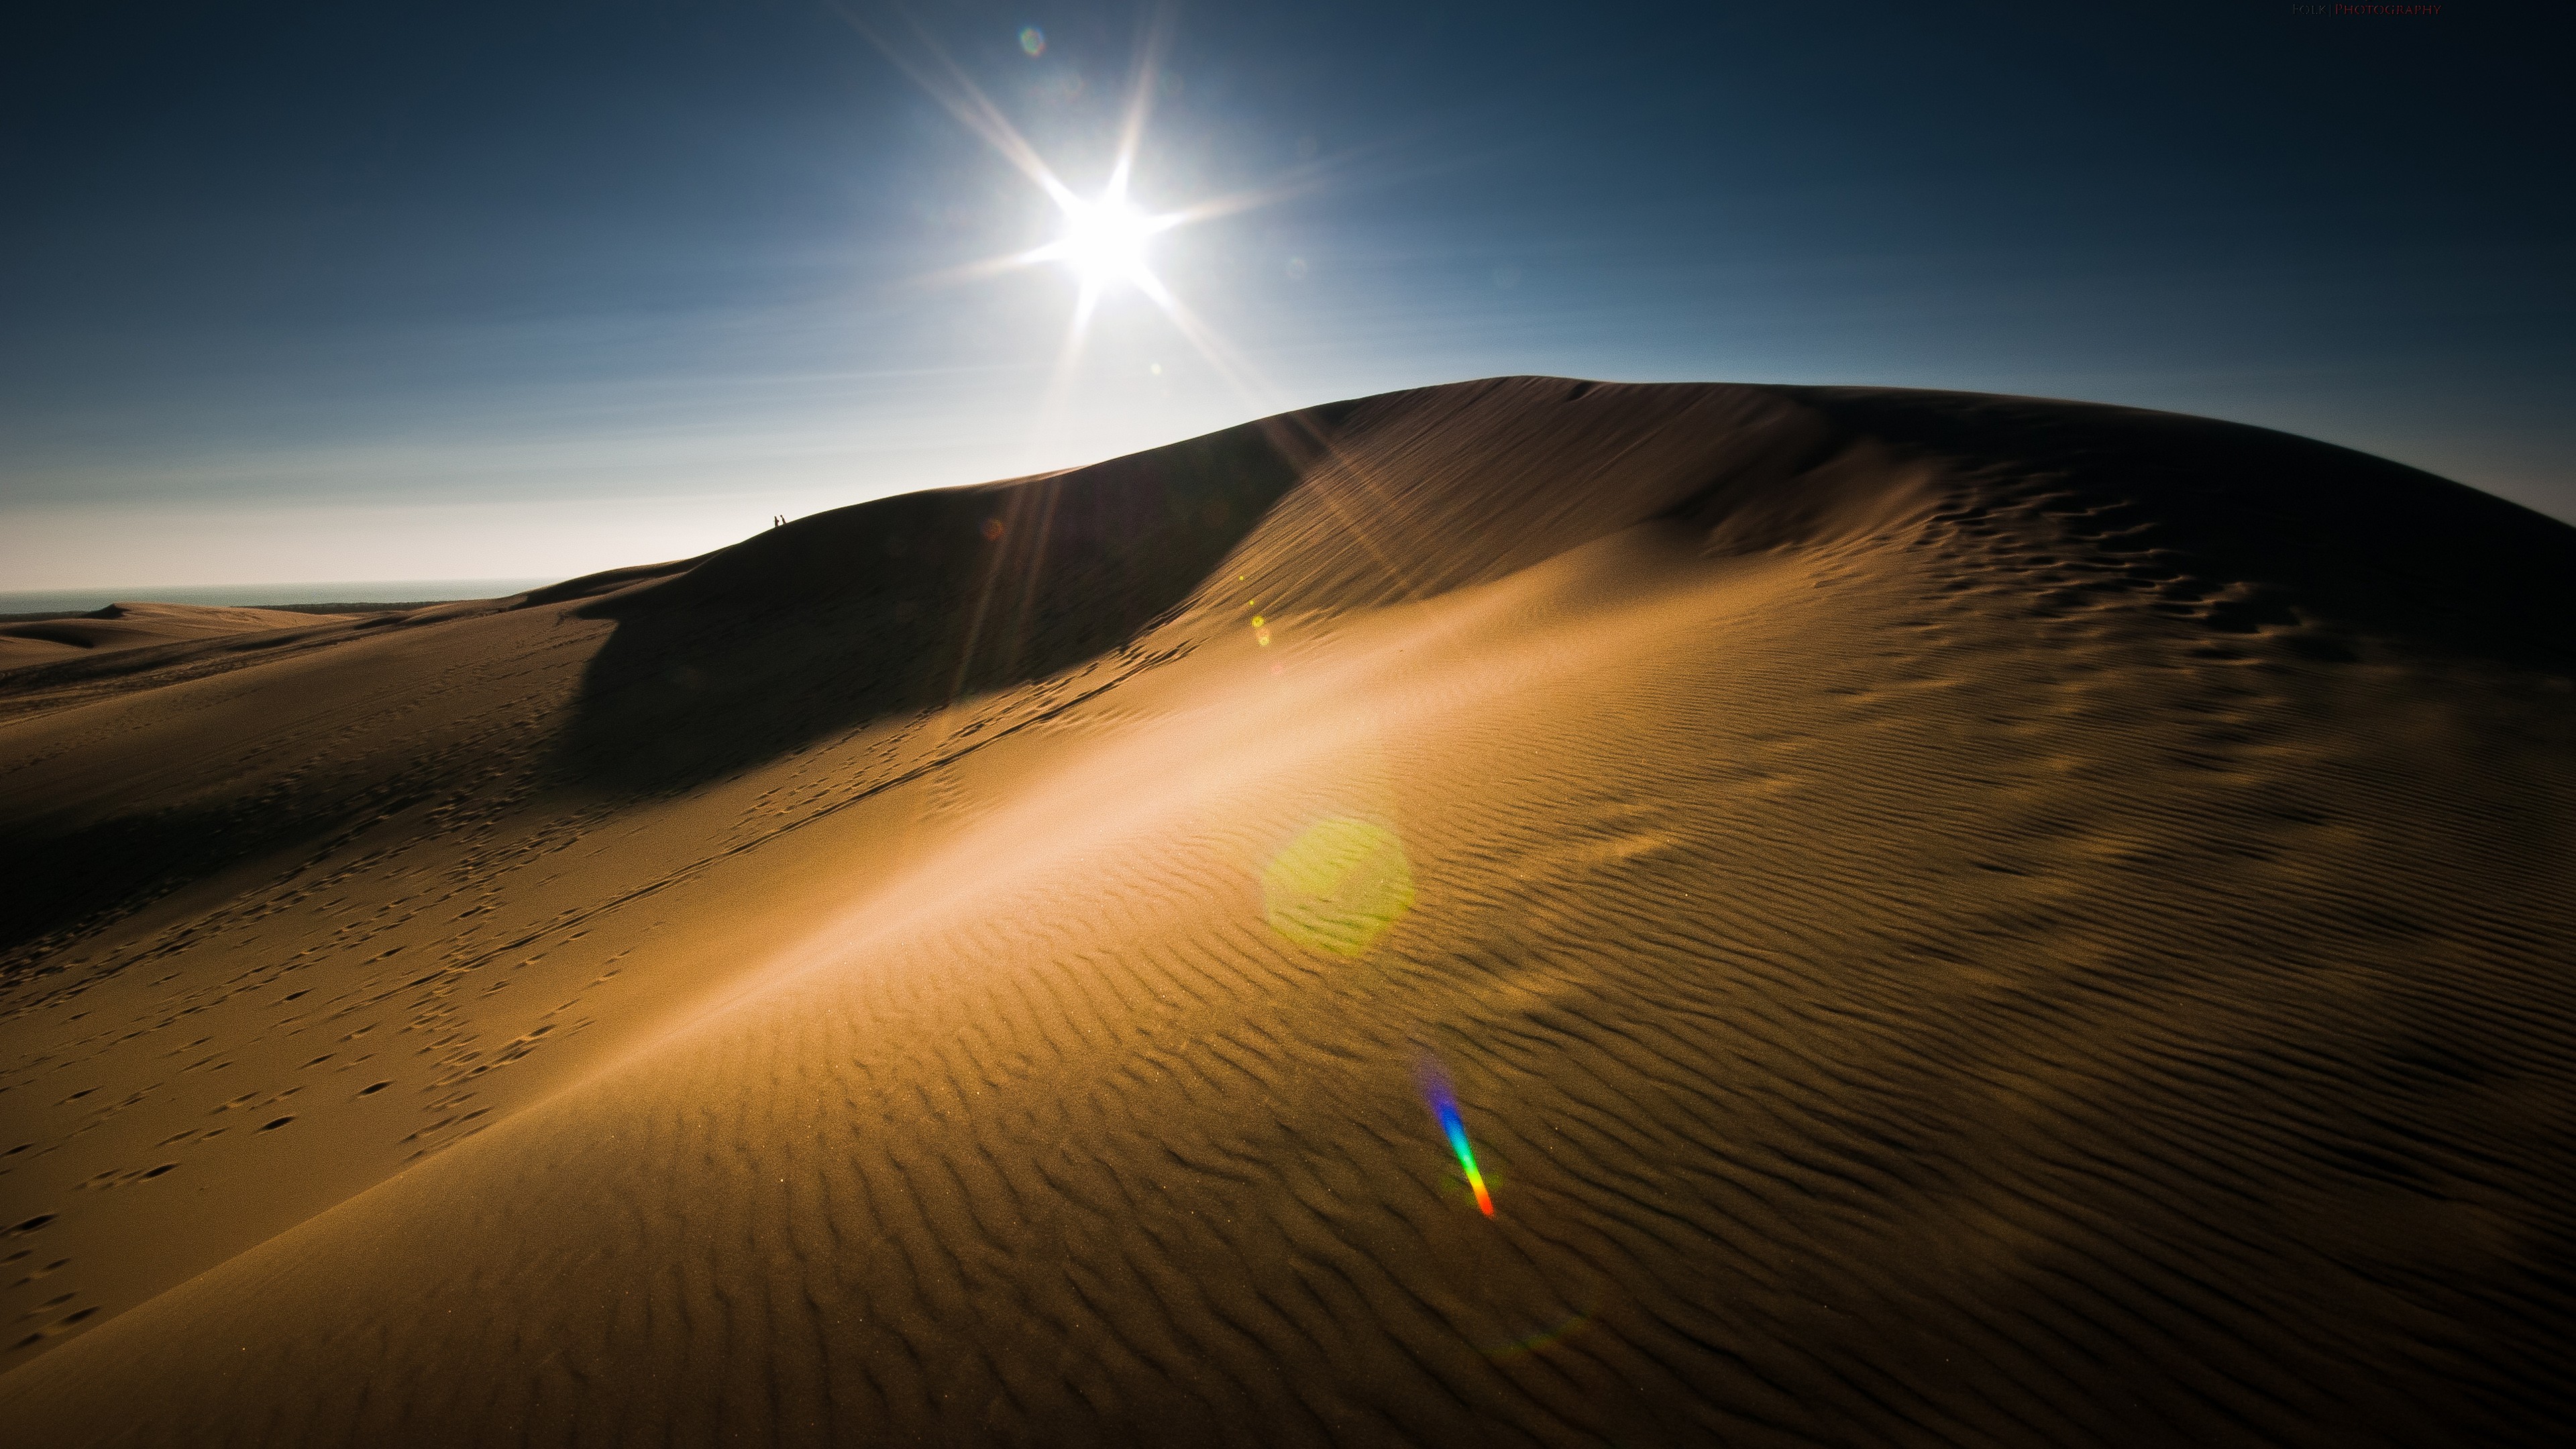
(1950, 919)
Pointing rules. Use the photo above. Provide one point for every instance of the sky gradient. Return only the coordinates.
(351, 291)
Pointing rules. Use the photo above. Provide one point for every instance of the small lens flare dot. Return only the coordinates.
(1032, 42)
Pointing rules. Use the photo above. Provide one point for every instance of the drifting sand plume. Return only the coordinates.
(1945, 918)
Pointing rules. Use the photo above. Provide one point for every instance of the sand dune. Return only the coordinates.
(136, 626)
(1948, 920)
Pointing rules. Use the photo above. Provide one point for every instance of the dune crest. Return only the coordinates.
(1931, 918)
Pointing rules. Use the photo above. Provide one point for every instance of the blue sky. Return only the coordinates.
(358, 291)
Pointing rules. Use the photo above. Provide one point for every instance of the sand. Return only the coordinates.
(138, 626)
(1948, 920)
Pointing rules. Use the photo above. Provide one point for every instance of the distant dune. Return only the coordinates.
(135, 626)
(1948, 919)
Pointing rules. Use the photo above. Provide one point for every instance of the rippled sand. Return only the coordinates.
(1945, 920)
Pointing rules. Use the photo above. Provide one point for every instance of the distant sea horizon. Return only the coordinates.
(370, 591)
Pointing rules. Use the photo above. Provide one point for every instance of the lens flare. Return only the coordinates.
(1338, 887)
(1444, 1107)
(1033, 42)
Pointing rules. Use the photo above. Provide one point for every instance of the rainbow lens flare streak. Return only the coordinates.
(1444, 1106)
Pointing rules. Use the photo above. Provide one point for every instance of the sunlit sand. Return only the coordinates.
(1524, 912)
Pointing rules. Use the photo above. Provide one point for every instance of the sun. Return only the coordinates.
(1104, 241)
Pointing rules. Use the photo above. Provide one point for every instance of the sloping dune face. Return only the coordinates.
(119, 627)
(1529, 912)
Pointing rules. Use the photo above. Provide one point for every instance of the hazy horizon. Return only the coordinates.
(300, 593)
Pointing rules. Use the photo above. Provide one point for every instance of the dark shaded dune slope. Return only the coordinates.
(714, 665)
(151, 770)
(1952, 920)
(2247, 528)
(912, 603)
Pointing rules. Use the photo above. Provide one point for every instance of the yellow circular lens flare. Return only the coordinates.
(1338, 887)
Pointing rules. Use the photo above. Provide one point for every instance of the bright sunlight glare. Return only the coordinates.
(1104, 241)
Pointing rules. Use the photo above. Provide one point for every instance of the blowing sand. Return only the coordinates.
(1949, 920)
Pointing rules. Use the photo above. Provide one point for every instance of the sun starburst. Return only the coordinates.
(1105, 241)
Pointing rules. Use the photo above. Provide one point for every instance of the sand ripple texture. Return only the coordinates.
(1950, 921)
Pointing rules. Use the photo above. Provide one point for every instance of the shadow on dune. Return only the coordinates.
(2264, 542)
(912, 602)
(2248, 529)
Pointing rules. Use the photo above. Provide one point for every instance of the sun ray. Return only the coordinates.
(1103, 240)
(1296, 183)
(988, 268)
(1141, 86)
(1054, 402)
(1343, 471)
(1236, 370)
(958, 94)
